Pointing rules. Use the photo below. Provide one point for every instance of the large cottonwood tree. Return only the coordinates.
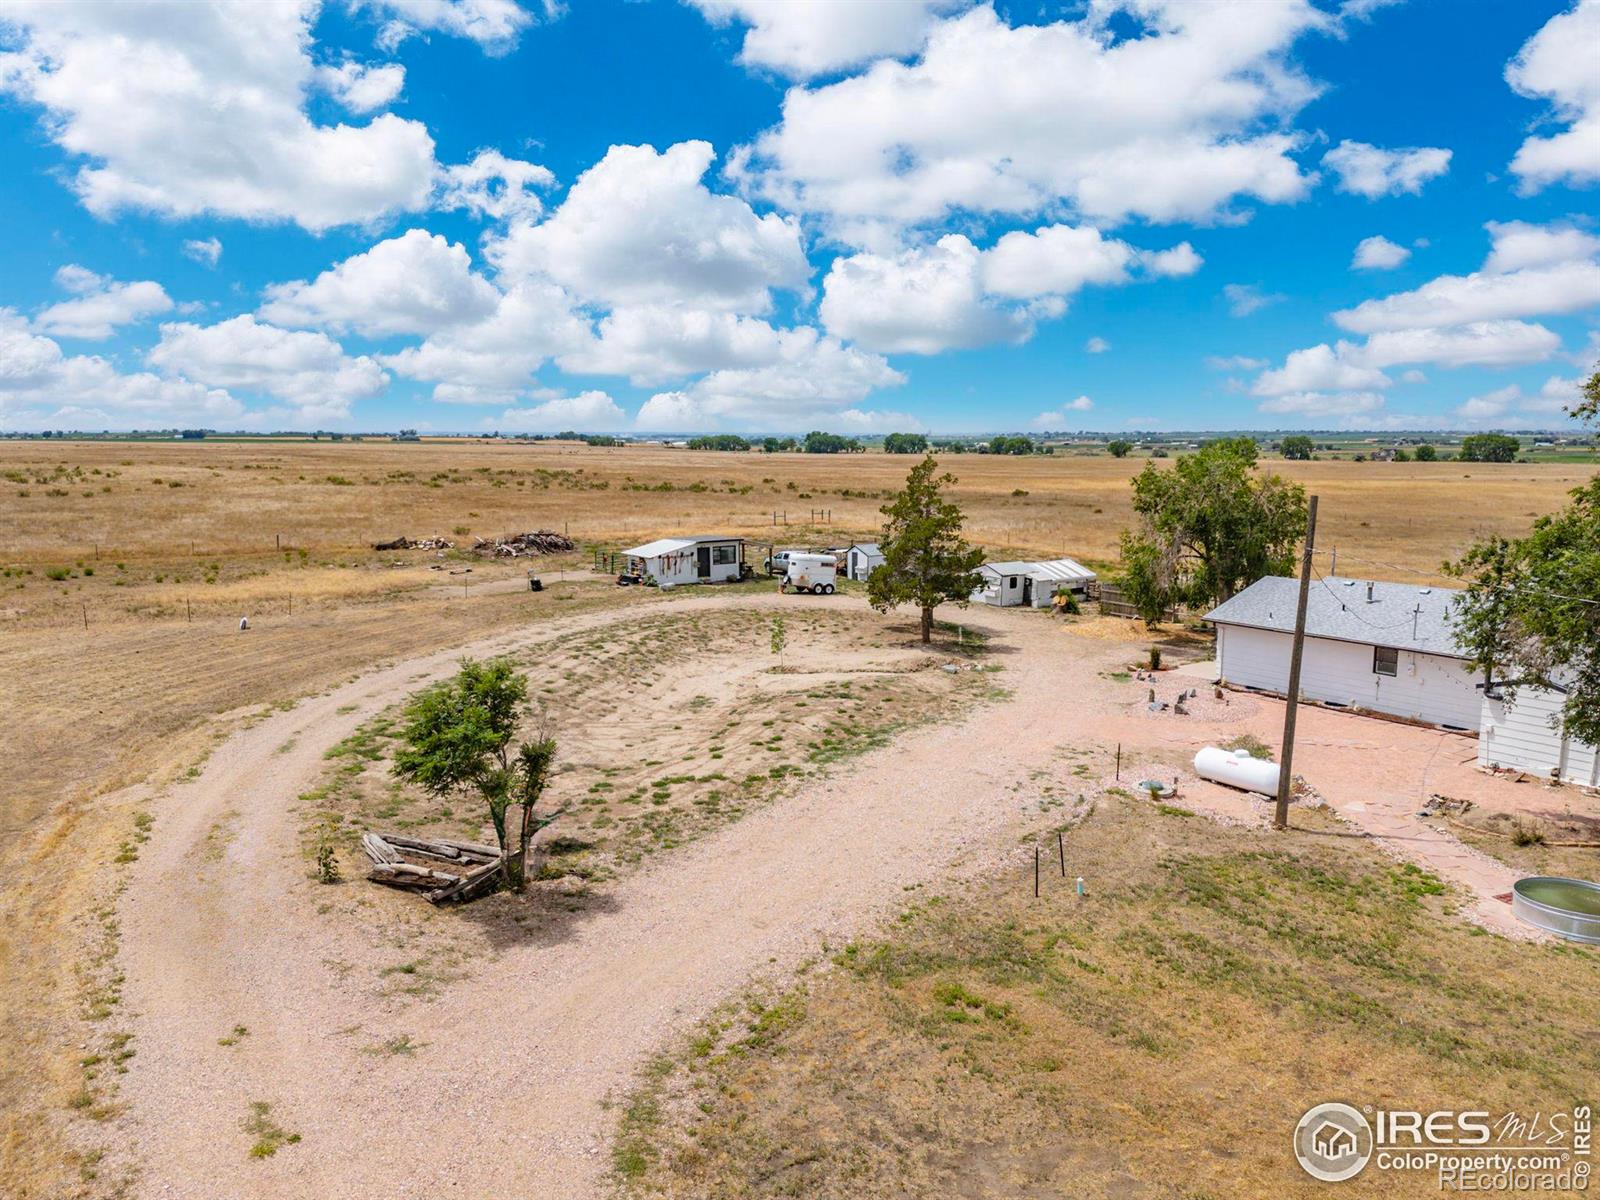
(1208, 526)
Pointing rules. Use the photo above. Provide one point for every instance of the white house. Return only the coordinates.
(861, 558)
(1391, 648)
(674, 561)
(1384, 647)
(1524, 735)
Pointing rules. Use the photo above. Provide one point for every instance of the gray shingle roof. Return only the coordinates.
(1337, 607)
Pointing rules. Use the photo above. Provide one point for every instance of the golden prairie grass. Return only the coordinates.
(242, 501)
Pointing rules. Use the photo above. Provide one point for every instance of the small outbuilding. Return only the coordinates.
(1009, 584)
(861, 558)
(674, 561)
(1055, 574)
(1005, 584)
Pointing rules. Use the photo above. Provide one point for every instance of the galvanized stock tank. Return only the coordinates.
(1569, 908)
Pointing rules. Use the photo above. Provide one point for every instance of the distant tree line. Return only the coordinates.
(719, 441)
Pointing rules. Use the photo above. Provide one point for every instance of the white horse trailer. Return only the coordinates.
(814, 573)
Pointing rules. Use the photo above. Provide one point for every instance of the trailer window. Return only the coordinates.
(722, 555)
(1385, 660)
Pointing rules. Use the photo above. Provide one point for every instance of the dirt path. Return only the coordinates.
(504, 1094)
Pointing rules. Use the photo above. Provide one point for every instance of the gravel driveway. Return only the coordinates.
(504, 1094)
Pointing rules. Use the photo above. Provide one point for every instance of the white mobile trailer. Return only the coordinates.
(674, 561)
(814, 573)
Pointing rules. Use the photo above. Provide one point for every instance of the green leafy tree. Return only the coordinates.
(1209, 526)
(1489, 448)
(1588, 406)
(1010, 445)
(905, 443)
(1119, 447)
(774, 445)
(926, 561)
(1531, 612)
(457, 739)
(1297, 446)
(1426, 452)
(818, 442)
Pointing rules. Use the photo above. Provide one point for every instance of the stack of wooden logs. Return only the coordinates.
(516, 545)
(476, 866)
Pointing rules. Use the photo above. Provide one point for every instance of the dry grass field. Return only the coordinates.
(124, 568)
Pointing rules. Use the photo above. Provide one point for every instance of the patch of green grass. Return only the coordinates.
(268, 1134)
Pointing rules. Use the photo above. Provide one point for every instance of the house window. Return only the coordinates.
(723, 555)
(1385, 660)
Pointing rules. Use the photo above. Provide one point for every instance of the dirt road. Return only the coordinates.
(503, 1095)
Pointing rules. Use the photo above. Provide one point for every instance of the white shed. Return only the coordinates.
(1005, 584)
(674, 561)
(1054, 574)
(861, 558)
(1525, 735)
(1384, 647)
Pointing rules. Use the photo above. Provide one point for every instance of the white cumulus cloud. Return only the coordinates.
(362, 88)
(992, 119)
(207, 251)
(308, 370)
(1378, 254)
(1557, 64)
(639, 227)
(100, 305)
(802, 38)
(181, 109)
(1372, 172)
(587, 412)
(417, 283)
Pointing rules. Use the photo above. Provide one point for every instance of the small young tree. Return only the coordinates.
(780, 638)
(925, 560)
(1427, 453)
(1119, 447)
(457, 737)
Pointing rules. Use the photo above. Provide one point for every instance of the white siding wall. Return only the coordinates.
(1428, 687)
(1524, 736)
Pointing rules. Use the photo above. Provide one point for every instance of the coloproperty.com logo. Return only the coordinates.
(1465, 1151)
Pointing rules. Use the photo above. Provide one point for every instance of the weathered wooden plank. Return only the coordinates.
(378, 850)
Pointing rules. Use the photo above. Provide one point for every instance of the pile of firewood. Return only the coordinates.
(469, 867)
(516, 545)
(405, 543)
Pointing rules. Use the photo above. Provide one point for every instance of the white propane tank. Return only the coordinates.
(1237, 768)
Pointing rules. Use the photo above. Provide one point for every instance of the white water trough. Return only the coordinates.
(1238, 769)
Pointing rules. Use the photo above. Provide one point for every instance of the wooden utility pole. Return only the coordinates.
(1280, 819)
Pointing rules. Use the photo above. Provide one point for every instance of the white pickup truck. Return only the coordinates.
(814, 573)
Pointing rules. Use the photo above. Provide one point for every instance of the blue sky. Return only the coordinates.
(769, 215)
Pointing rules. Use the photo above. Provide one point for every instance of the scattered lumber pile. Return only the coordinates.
(516, 545)
(405, 543)
(469, 868)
